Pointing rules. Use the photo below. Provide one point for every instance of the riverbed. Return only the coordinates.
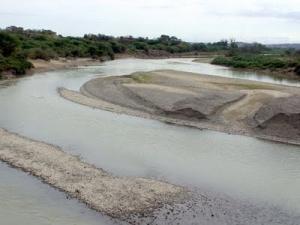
(244, 168)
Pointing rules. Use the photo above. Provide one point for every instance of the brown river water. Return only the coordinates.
(261, 173)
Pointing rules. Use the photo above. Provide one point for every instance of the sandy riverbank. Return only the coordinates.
(222, 104)
(64, 63)
(119, 197)
(41, 66)
(61, 63)
(138, 201)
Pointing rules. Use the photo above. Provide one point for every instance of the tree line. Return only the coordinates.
(18, 45)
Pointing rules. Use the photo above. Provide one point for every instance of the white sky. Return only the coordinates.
(267, 21)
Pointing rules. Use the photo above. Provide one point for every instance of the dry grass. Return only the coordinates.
(141, 77)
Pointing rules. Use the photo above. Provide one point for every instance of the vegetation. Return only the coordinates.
(18, 46)
(253, 61)
(11, 58)
(141, 77)
(259, 57)
(253, 86)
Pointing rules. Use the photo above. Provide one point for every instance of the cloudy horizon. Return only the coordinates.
(265, 21)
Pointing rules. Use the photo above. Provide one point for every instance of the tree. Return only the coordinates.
(199, 47)
(8, 44)
(164, 39)
(117, 47)
(141, 46)
(233, 44)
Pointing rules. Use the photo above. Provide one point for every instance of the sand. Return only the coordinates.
(61, 63)
(228, 105)
(118, 197)
(138, 201)
(202, 101)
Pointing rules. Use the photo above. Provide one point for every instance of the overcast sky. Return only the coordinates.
(267, 21)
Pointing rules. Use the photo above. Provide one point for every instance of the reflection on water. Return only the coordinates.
(124, 145)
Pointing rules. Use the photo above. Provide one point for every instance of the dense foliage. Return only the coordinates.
(259, 60)
(11, 58)
(253, 61)
(17, 45)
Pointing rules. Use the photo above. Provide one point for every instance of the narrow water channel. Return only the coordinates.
(242, 167)
(26, 200)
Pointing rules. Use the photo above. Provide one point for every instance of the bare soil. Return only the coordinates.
(118, 197)
(40, 66)
(61, 63)
(137, 201)
(217, 103)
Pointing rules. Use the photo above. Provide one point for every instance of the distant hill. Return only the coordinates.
(286, 46)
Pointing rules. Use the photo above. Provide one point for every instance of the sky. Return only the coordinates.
(265, 21)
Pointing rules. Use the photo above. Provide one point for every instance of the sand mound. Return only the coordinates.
(207, 102)
(280, 117)
(176, 100)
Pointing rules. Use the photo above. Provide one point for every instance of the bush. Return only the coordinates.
(253, 61)
(8, 44)
(117, 47)
(38, 53)
(2, 64)
(199, 47)
(221, 60)
(141, 46)
(18, 65)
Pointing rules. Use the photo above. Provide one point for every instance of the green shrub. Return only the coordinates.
(38, 53)
(117, 47)
(8, 44)
(17, 64)
(253, 61)
(141, 46)
(221, 60)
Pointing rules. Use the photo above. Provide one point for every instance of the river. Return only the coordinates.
(263, 172)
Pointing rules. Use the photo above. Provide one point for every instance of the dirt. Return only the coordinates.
(229, 105)
(137, 201)
(41, 66)
(202, 101)
(61, 63)
(280, 117)
(206, 208)
(118, 197)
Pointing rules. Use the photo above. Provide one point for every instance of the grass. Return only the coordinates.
(141, 77)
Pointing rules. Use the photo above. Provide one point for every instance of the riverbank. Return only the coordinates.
(213, 163)
(61, 63)
(280, 66)
(118, 197)
(40, 66)
(228, 105)
(133, 200)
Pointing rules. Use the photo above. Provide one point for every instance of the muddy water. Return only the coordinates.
(262, 172)
(26, 200)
